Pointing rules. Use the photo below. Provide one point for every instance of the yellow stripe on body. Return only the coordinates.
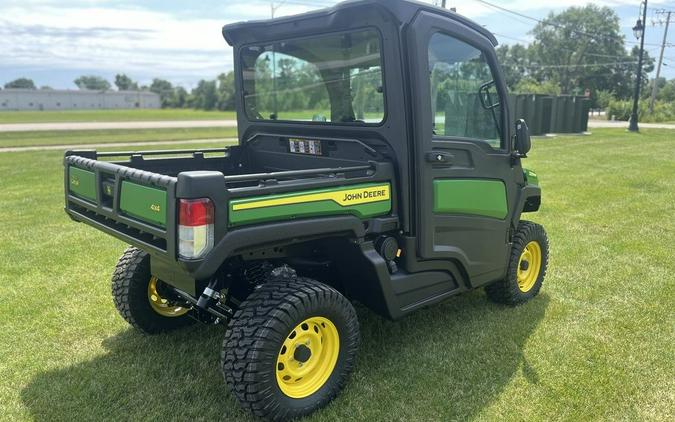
(344, 197)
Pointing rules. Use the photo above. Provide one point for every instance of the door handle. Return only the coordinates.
(439, 157)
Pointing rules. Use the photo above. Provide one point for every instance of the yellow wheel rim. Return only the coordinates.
(161, 305)
(529, 266)
(307, 357)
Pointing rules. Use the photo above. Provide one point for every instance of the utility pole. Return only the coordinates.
(443, 4)
(273, 7)
(658, 68)
(639, 29)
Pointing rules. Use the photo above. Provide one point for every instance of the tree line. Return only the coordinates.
(207, 95)
(577, 51)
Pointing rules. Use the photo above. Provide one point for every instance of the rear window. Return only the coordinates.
(334, 78)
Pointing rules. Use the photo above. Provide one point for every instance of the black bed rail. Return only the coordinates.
(102, 210)
(161, 152)
(120, 171)
(107, 216)
(262, 177)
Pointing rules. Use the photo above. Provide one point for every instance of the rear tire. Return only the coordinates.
(290, 348)
(136, 297)
(527, 266)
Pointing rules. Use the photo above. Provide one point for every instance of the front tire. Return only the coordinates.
(290, 348)
(527, 266)
(138, 296)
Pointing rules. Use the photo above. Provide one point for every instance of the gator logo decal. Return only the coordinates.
(74, 181)
(342, 197)
(155, 208)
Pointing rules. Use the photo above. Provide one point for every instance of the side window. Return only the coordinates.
(464, 101)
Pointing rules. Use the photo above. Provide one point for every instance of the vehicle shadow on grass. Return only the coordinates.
(445, 362)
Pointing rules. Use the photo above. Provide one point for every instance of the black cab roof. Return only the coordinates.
(403, 11)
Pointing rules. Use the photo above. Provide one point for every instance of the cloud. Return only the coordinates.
(174, 40)
(106, 39)
(475, 9)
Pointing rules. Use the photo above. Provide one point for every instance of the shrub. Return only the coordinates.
(603, 98)
(663, 111)
(531, 86)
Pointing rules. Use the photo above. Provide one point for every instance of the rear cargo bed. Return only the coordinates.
(136, 199)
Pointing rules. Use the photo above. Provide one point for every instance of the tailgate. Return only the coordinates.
(131, 204)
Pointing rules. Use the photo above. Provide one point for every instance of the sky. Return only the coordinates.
(55, 41)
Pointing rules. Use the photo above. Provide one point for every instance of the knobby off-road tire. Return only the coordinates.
(527, 266)
(264, 348)
(134, 292)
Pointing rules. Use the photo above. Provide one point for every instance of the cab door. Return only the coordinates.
(465, 180)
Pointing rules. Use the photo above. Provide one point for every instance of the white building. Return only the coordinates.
(66, 99)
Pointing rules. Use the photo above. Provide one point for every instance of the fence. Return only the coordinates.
(550, 114)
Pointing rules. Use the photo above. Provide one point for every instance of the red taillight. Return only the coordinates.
(195, 212)
(195, 227)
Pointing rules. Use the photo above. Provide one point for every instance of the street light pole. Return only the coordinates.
(641, 29)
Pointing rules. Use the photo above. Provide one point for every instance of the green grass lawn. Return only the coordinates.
(55, 116)
(596, 344)
(75, 137)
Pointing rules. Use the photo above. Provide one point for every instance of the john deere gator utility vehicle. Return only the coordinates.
(377, 162)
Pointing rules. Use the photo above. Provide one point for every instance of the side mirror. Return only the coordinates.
(523, 142)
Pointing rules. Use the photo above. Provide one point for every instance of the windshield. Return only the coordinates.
(329, 78)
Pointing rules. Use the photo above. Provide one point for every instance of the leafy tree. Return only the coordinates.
(205, 95)
(623, 78)
(92, 82)
(23, 83)
(529, 85)
(125, 83)
(179, 98)
(46, 88)
(515, 61)
(165, 90)
(579, 48)
(226, 94)
(667, 92)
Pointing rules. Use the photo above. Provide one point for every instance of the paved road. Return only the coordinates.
(31, 127)
(617, 124)
(114, 144)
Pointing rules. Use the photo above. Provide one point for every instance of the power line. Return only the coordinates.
(610, 56)
(562, 66)
(275, 5)
(545, 22)
(308, 3)
(512, 38)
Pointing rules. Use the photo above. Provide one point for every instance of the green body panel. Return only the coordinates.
(144, 202)
(470, 196)
(531, 177)
(306, 207)
(82, 183)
